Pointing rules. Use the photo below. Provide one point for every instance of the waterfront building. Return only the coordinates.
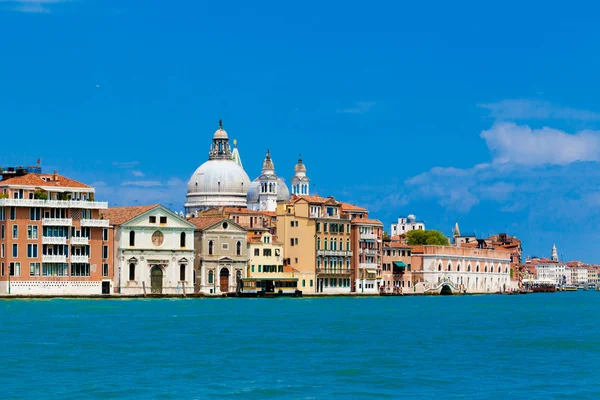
(438, 269)
(154, 250)
(265, 257)
(550, 271)
(219, 182)
(406, 224)
(221, 254)
(366, 244)
(268, 189)
(316, 238)
(396, 267)
(52, 238)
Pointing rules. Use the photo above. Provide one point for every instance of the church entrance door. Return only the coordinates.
(224, 280)
(156, 280)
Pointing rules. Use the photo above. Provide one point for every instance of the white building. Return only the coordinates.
(154, 250)
(549, 271)
(266, 190)
(300, 182)
(459, 269)
(219, 182)
(406, 224)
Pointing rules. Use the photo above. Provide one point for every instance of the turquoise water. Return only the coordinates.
(411, 347)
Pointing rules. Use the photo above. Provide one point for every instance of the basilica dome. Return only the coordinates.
(219, 182)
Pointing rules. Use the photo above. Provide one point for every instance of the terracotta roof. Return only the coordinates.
(271, 214)
(398, 245)
(288, 268)
(36, 180)
(367, 221)
(397, 238)
(205, 222)
(352, 207)
(120, 215)
(240, 210)
(417, 249)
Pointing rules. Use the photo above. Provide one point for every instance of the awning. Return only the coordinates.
(371, 271)
(399, 264)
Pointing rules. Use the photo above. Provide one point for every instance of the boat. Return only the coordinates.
(570, 288)
(543, 288)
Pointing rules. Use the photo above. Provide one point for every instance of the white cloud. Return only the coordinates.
(32, 6)
(142, 183)
(125, 164)
(518, 109)
(138, 173)
(360, 108)
(509, 142)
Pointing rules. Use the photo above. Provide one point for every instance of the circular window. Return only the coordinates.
(157, 238)
(225, 225)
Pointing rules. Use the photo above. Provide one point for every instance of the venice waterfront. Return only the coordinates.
(492, 346)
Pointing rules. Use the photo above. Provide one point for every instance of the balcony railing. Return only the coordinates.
(96, 205)
(102, 223)
(54, 258)
(54, 240)
(80, 240)
(331, 271)
(79, 259)
(57, 221)
(339, 253)
(368, 265)
(368, 236)
(372, 252)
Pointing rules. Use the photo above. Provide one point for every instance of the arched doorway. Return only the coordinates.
(446, 290)
(156, 280)
(224, 280)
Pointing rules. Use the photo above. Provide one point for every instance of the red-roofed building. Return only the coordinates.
(53, 240)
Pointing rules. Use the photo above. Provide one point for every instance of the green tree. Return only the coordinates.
(429, 237)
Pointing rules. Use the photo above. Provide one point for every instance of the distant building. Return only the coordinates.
(221, 254)
(397, 267)
(265, 257)
(154, 250)
(460, 239)
(437, 269)
(268, 189)
(406, 224)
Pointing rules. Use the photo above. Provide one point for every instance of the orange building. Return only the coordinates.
(52, 238)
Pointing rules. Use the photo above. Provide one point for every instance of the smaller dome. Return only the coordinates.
(220, 134)
(300, 166)
(411, 218)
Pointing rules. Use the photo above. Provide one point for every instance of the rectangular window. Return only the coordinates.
(311, 283)
(32, 250)
(291, 223)
(318, 225)
(2, 232)
(225, 246)
(32, 232)
(260, 268)
(324, 226)
(35, 214)
(280, 268)
(13, 213)
(253, 268)
(2, 250)
(2, 213)
(257, 252)
(104, 252)
(14, 269)
(105, 269)
(105, 234)
(34, 269)
(152, 219)
(303, 282)
(15, 250)
(267, 252)
(291, 241)
(2, 268)
(296, 241)
(163, 220)
(15, 231)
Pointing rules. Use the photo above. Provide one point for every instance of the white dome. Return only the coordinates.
(220, 134)
(219, 176)
(283, 193)
(253, 191)
(411, 218)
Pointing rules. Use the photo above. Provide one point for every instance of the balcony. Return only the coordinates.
(53, 258)
(338, 253)
(331, 271)
(95, 205)
(57, 221)
(54, 240)
(95, 223)
(368, 236)
(370, 252)
(80, 259)
(77, 241)
(368, 265)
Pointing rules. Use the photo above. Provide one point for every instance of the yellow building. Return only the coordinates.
(265, 255)
(317, 243)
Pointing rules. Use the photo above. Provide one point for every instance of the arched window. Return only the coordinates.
(211, 277)
(182, 272)
(469, 268)
(492, 269)
(440, 267)
(318, 243)
(182, 239)
(485, 269)
(458, 267)
(132, 238)
(238, 248)
(449, 267)
(347, 244)
(478, 268)
(210, 247)
(132, 272)
(325, 248)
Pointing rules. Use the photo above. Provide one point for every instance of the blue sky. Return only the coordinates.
(481, 112)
